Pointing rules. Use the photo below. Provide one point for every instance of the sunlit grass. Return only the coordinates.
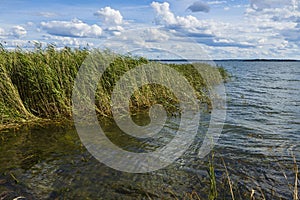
(39, 83)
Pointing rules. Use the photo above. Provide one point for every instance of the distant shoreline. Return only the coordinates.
(225, 60)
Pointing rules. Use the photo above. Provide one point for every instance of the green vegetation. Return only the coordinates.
(213, 193)
(38, 84)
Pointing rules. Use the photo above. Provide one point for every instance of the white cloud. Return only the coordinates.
(263, 4)
(15, 32)
(276, 22)
(47, 14)
(154, 43)
(61, 41)
(110, 16)
(216, 2)
(111, 20)
(2, 32)
(154, 35)
(164, 15)
(30, 24)
(207, 32)
(74, 28)
(269, 32)
(115, 30)
(268, 28)
(199, 6)
(18, 31)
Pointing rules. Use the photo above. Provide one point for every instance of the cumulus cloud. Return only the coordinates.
(110, 16)
(199, 6)
(14, 32)
(154, 35)
(187, 24)
(61, 41)
(273, 19)
(115, 30)
(112, 20)
(210, 32)
(164, 15)
(276, 24)
(263, 4)
(18, 31)
(74, 28)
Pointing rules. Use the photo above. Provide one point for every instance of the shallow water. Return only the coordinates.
(260, 137)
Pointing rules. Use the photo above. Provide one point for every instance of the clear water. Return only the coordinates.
(260, 137)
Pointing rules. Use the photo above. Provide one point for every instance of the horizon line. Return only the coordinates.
(230, 59)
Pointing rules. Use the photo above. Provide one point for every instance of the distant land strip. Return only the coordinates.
(225, 60)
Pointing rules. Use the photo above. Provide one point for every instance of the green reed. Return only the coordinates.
(39, 83)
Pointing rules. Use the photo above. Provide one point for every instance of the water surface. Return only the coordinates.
(260, 137)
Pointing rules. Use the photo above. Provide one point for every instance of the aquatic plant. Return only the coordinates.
(39, 83)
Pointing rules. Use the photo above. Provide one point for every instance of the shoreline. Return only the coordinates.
(37, 86)
(15, 126)
(225, 60)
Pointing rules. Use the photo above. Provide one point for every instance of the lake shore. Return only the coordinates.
(37, 85)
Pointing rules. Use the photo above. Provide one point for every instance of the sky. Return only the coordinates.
(217, 29)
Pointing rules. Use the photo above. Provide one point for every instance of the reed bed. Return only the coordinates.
(39, 83)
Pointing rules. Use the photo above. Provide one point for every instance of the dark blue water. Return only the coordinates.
(260, 139)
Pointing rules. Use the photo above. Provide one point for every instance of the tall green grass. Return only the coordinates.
(39, 83)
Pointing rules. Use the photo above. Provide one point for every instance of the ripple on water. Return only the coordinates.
(259, 139)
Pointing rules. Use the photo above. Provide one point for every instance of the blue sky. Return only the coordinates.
(220, 29)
